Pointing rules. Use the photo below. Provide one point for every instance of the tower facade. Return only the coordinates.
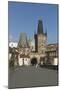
(23, 45)
(40, 39)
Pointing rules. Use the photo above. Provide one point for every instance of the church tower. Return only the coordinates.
(23, 45)
(40, 39)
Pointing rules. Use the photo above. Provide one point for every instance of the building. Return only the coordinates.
(52, 54)
(24, 50)
(13, 44)
(40, 39)
(35, 51)
(24, 60)
(40, 44)
(31, 42)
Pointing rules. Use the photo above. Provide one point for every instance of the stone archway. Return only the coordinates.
(34, 61)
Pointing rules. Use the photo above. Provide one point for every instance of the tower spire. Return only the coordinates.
(40, 27)
(23, 42)
(34, 32)
(46, 32)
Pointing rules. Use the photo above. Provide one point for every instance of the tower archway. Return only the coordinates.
(34, 61)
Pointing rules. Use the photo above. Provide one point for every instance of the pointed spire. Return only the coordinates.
(23, 42)
(34, 32)
(46, 32)
(40, 27)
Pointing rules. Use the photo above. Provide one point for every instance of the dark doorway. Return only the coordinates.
(34, 61)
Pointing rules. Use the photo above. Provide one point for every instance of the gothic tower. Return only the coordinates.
(40, 39)
(23, 45)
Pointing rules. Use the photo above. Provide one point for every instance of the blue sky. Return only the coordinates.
(23, 17)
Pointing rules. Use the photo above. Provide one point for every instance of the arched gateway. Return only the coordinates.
(34, 61)
(34, 58)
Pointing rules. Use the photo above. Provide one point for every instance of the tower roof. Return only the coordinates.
(23, 42)
(40, 27)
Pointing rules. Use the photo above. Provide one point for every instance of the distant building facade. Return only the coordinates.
(52, 53)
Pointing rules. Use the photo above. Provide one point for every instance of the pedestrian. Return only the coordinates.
(36, 65)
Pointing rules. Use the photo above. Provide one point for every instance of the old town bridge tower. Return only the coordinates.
(40, 39)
